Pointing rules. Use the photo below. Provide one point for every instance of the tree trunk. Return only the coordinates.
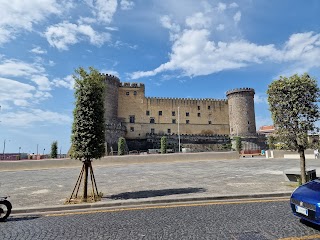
(302, 166)
(85, 180)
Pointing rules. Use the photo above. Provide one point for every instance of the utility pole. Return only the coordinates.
(179, 127)
(37, 149)
(4, 148)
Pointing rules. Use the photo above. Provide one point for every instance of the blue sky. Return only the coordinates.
(180, 48)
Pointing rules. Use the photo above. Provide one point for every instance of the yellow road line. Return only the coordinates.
(170, 206)
(302, 238)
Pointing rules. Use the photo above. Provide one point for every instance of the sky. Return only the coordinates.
(180, 48)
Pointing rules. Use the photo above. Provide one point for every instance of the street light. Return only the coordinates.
(19, 153)
(179, 127)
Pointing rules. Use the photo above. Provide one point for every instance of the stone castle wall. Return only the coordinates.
(195, 116)
(130, 114)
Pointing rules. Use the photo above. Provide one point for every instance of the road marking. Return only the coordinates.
(169, 206)
(302, 238)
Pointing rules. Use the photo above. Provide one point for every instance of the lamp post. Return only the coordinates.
(4, 148)
(179, 127)
(19, 153)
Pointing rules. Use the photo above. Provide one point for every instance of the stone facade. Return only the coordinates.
(130, 114)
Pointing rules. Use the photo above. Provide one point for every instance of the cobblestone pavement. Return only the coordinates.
(243, 221)
(152, 181)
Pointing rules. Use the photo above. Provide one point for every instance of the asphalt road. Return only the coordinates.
(245, 219)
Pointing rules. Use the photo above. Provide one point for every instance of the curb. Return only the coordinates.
(88, 206)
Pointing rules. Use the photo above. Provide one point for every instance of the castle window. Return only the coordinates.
(173, 121)
(173, 113)
(147, 112)
(132, 119)
(160, 113)
(198, 107)
(152, 131)
(131, 129)
(209, 107)
(187, 114)
(199, 115)
(209, 122)
(187, 121)
(152, 120)
(127, 93)
(169, 131)
(135, 93)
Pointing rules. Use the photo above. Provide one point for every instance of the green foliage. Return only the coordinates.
(121, 146)
(238, 144)
(271, 142)
(163, 145)
(88, 129)
(54, 149)
(294, 110)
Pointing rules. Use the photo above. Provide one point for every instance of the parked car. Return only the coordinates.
(305, 201)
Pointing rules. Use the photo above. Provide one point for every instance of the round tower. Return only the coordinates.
(114, 127)
(241, 112)
(111, 98)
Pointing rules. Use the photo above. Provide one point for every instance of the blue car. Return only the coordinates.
(305, 201)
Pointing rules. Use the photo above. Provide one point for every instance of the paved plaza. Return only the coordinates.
(154, 181)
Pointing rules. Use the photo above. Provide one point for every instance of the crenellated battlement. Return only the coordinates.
(240, 90)
(131, 85)
(187, 99)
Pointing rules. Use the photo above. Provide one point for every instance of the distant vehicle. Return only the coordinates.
(305, 201)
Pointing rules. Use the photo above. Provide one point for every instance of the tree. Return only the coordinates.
(238, 144)
(294, 109)
(54, 149)
(163, 142)
(121, 146)
(271, 142)
(88, 129)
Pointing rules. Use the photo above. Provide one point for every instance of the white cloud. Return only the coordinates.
(16, 68)
(64, 34)
(261, 98)
(233, 5)
(38, 50)
(194, 54)
(220, 27)
(237, 17)
(126, 5)
(15, 92)
(25, 118)
(67, 82)
(42, 82)
(18, 15)
(103, 10)
(194, 51)
(198, 21)
(221, 7)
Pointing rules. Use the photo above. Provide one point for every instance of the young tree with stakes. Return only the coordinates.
(54, 149)
(294, 109)
(88, 129)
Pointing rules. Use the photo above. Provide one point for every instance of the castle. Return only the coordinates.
(143, 120)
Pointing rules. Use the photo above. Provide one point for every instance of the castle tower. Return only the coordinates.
(114, 128)
(241, 112)
(111, 98)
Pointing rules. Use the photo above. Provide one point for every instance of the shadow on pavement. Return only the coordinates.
(155, 193)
